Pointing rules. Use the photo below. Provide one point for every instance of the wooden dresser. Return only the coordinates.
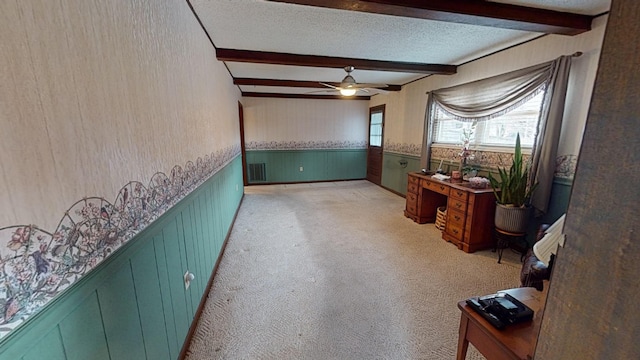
(470, 212)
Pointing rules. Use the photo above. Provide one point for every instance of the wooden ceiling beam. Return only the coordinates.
(304, 96)
(473, 12)
(264, 57)
(296, 83)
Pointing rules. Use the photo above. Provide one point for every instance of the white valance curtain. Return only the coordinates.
(492, 97)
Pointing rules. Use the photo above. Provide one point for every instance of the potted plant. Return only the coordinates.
(513, 193)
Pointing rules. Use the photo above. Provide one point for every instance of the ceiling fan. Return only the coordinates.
(348, 86)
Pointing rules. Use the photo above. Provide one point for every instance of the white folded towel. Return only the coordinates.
(440, 176)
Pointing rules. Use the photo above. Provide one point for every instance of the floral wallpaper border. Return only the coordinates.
(36, 265)
(305, 145)
(403, 149)
(565, 164)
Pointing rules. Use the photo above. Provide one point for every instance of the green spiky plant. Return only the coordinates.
(513, 188)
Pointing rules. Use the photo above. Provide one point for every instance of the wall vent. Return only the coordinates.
(257, 172)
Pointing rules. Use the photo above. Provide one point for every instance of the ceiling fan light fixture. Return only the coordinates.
(347, 92)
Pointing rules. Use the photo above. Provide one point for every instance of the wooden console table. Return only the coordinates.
(470, 212)
(513, 342)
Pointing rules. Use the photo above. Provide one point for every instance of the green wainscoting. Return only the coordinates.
(558, 205)
(283, 166)
(394, 173)
(134, 304)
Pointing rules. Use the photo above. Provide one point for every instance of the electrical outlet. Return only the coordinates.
(236, 187)
(301, 168)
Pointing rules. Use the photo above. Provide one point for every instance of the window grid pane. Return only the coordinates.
(499, 131)
(375, 130)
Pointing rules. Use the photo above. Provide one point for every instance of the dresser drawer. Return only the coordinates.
(412, 199)
(412, 188)
(459, 194)
(453, 231)
(456, 218)
(436, 187)
(411, 208)
(456, 204)
(414, 180)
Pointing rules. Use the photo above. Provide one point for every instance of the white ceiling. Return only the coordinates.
(308, 30)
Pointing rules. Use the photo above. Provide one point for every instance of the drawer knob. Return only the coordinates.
(458, 205)
(457, 218)
(441, 187)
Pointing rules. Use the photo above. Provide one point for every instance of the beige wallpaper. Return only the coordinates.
(94, 94)
(405, 111)
(303, 123)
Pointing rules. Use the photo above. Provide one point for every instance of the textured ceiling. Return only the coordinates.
(309, 30)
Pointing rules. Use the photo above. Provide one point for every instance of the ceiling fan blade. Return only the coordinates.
(349, 83)
(332, 91)
(329, 85)
(360, 86)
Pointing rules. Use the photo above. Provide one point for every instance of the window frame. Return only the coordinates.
(481, 127)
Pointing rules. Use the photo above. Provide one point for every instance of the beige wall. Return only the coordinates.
(94, 94)
(296, 123)
(405, 110)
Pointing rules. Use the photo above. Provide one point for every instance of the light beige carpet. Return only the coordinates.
(335, 271)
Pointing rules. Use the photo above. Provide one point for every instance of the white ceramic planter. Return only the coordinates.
(512, 219)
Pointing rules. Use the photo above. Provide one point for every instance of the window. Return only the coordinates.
(500, 131)
(375, 129)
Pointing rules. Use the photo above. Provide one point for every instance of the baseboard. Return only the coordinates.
(207, 290)
(393, 191)
(301, 182)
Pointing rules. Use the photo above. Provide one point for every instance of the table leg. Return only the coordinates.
(463, 343)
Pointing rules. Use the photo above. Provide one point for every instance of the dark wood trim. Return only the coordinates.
(297, 83)
(201, 24)
(473, 12)
(373, 176)
(207, 290)
(265, 57)
(304, 96)
(243, 149)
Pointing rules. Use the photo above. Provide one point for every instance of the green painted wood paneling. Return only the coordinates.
(283, 166)
(175, 272)
(184, 267)
(210, 220)
(119, 312)
(50, 347)
(193, 265)
(83, 333)
(206, 230)
(147, 286)
(202, 267)
(394, 174)
(165, 293)
(218, 237)
(138, 290)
